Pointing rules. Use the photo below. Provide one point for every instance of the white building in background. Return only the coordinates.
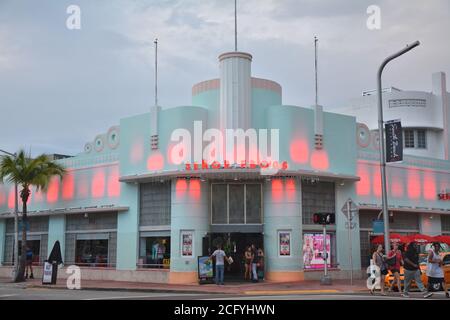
(425, 116)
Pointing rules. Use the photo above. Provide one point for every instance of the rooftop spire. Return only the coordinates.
(235, 25)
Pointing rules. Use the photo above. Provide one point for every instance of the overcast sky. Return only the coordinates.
(61, 87)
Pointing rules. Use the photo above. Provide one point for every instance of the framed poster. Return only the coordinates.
(313, 248)
(284, 243)
(186, 243)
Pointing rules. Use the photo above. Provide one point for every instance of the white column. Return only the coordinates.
(235, 90)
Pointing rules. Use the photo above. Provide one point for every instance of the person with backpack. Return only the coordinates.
(412, 271)
(395, 261)
(378, 260)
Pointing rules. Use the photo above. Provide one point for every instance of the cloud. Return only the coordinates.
(67, 86)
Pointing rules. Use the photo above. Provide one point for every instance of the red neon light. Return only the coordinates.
(2, 196)
(291, 190)
(195, 189)
(155, 162)
(376, 183)
(319, 160)
(98, 184)
(180, 188)
(53, 190)
(68, 186)
(429, 186)
(363, 185)
(277, 189)
(299, 151)
(11, 197)
(413, 185)
(113, 183)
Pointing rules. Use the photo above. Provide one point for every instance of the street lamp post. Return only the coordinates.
(16, 219)
(382, 142)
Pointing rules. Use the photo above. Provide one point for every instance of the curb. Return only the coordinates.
(181, 291)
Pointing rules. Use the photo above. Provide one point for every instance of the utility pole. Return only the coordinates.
(382, 142)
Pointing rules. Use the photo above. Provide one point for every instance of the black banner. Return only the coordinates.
(394, 141)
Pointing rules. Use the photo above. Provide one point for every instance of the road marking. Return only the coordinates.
(286, 292)
(7, 295)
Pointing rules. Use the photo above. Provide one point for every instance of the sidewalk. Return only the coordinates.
(266, 288)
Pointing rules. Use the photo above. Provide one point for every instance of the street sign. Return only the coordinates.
(377, 226)
(394, 141)
(353, 209)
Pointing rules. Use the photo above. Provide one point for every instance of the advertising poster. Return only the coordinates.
(285, 243)
(205, 268)
(312, 250)
(186, 244)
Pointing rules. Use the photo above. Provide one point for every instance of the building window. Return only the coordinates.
(92, 253)
(409, 138)
(35, 246)
(155, 203)
(155, 252)
(317, 197)
(421, 139)
(236, 203)
(415, 139)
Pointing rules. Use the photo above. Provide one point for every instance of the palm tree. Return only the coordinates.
(26, 173)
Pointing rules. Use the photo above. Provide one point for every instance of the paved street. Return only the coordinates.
(11, 292)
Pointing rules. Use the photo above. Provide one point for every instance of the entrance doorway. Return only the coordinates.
(234, 245)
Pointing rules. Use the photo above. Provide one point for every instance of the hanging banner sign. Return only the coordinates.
(394, 141)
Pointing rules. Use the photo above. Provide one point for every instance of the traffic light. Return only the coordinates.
(323, 218)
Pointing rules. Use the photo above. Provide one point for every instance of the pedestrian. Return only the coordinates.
(434, 268)
(220, 264)
(260, 264)
(412, 271)
(254, 262)
(248, 263)
(29, 263)
(378, 260)
(395, 261)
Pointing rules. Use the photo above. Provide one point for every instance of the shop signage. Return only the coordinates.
(394, 141)
(444, 196)
(243, 165)
(205, 269)
(377, 226)
(47, 275)
(284, 238)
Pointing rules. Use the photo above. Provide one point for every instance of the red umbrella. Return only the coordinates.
(421, 238)
(444, 239)
(393, 237)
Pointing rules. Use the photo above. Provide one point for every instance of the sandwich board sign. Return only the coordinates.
(47, 274)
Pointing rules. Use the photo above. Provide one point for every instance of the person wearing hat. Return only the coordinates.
(412, 270)
(434, 268)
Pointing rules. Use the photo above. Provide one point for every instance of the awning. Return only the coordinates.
(235, 173)
(364, 206)
(65, 211)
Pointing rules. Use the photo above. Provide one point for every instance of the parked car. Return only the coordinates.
(423, 267)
